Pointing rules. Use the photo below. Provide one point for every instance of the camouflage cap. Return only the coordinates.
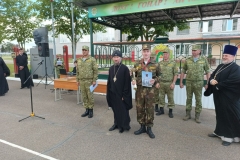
(59, 55)
(153, 54)
(146, 46)
(166, 50)
(196, 47)
(85, 47)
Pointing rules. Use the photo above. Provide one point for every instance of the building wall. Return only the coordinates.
(113, 35)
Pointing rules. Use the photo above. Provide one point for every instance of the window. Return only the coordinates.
(183, 32)
(206, 47)
(205, 26)
(108, 36)
(229, 24)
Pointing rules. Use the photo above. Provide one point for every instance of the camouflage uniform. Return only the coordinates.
(194, 81)
(156, 95)
(169, 70)
(145, 96)
(59, 67)
(87, 73)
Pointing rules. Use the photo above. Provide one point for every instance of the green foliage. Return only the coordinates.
(151, 31)
(7, 47)
(18, 19)
(63, 19)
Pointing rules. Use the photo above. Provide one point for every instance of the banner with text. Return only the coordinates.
(145, 5)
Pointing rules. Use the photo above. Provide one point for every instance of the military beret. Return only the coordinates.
(196, 47)
(117, 53)
(146, 46)
(85, 47)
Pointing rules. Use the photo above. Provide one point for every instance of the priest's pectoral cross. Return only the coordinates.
(114, 79)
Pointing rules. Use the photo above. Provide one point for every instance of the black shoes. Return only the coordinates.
(90, 115)
(86, 113)
(224, 143)
(150, 133)
(211, 135)
(141, 130)
(160, 111)
(170, 113)
(121, 130)
(156, 107)
(113, 127)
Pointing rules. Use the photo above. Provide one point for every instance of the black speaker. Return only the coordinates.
(43, 49)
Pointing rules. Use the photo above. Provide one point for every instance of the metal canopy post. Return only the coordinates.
(91, 37)
(120, 40)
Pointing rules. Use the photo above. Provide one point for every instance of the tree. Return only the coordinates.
(63, 19)
(19, 19)
(151, 31)
(2, 26)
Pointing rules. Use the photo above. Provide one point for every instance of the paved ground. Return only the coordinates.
(65, 135)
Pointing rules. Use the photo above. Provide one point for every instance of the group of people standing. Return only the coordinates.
(224, 83)
(23, 72)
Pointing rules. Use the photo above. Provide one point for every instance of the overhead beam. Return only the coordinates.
(169, 16)
(235, 8)
(105, 24)
(199, 12)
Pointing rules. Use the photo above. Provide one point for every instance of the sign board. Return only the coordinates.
(135, 6)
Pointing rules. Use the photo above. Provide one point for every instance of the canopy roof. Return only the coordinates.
(116, 13)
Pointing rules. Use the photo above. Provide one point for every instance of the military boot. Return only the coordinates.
(197, 115)
(160, 111)
(170, 113)
(141, 130)
(150, 133)
(86, 113)
(90, 115)
(156, 107)
(188, 116)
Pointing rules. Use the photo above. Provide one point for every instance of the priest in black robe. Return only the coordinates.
(23, 71)
(4, 72)
(119, 93)
(224, 83)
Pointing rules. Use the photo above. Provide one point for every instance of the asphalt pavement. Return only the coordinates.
(65, 135)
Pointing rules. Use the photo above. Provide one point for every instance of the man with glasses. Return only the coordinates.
(195, 67)
(87, 74)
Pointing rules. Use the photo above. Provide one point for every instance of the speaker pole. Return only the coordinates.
(32, 113)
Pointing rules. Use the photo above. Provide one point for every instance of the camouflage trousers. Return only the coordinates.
(196, 88)
(87, 96)
(58, 71)
(166, 90)
(145, 105)
(156, 95)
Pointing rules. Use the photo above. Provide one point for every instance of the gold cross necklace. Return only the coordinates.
(115, 78)
(220, 70)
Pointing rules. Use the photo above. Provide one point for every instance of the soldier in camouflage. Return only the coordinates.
(153, 58)
(194, 67)
(168, 79)
(87, 74)
(145, 96)
(58, 66)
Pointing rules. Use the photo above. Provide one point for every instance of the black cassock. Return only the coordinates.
(3, 82)
(22, 60)
(226, 95)
(117, 90)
